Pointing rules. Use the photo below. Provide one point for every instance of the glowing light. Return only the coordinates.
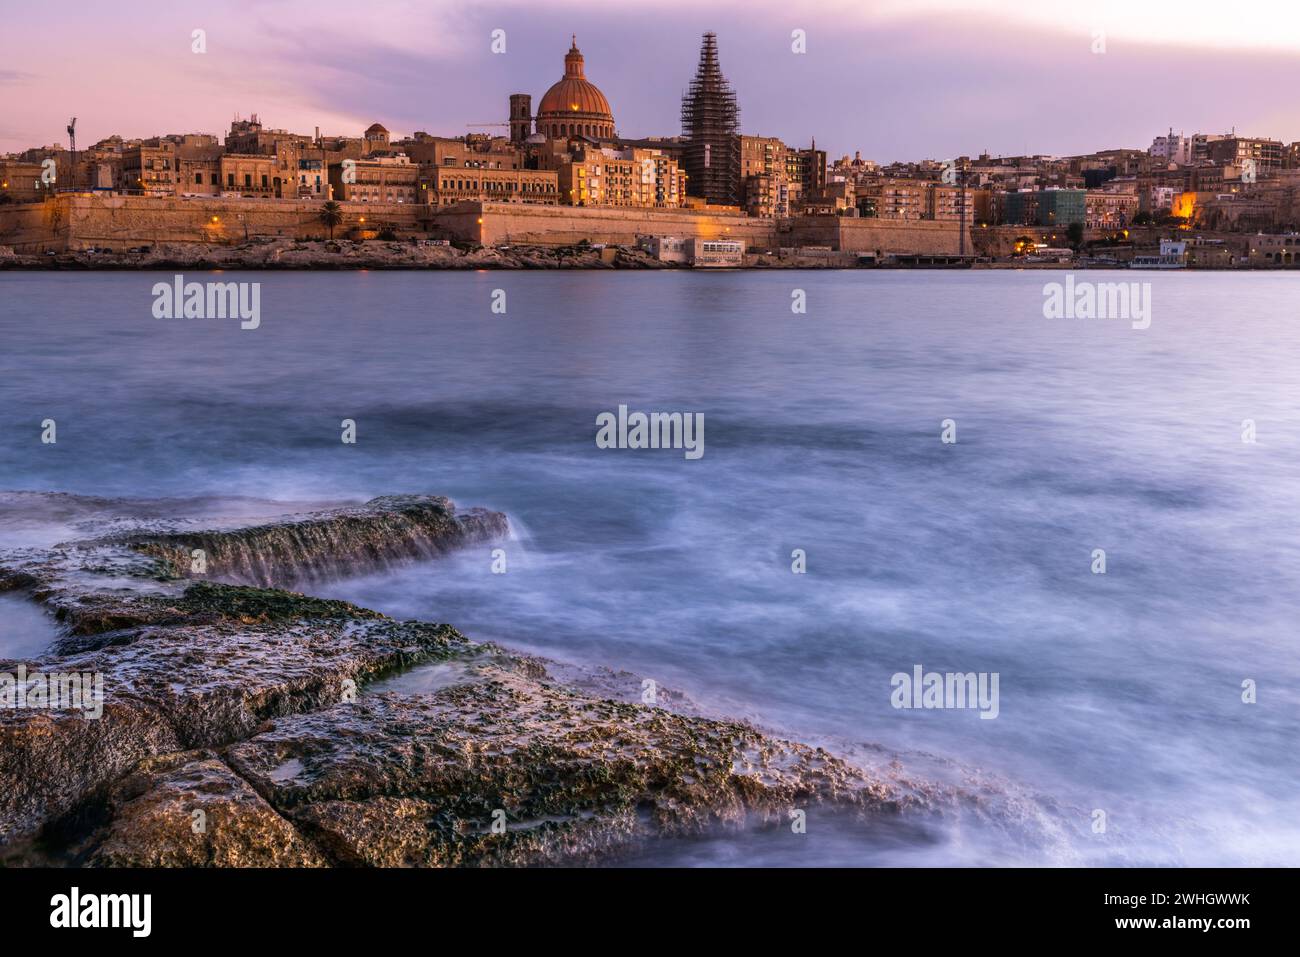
(1184, 205)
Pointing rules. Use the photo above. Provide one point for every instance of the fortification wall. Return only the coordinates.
(78, 221)
(877, 236)
(494, 223)
(118, 222)
(35, 227)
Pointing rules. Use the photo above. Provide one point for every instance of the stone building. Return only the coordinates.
(198, 165)
(376, 137)
(951, 204)
(20, 182)
(198, 175)
(386, 178)
(250, 175)
(1110, 209)
(312, 176)
(446, 185)
(766, 187)
(1265, 154)
(771, 195)
(588, 175)
(149, 168)
(896, 199)
(807, 168)
(475, 151)
(249, 137)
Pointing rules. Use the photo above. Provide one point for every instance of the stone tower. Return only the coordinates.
(521, 117)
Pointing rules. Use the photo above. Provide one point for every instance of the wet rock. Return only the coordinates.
(283, 253)
(395, 780)
(190, 686)
(190, 810)
(200, 603)
(384, 530)
(201, 664)
(51, 761)
(252, 705)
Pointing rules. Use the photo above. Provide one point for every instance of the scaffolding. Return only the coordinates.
(711, 125)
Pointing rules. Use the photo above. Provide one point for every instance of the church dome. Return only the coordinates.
(574, 106)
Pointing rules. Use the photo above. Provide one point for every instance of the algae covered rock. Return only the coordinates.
(508, 769)
(385, 530)
(261, 715)
(201, 664)
(189, 810)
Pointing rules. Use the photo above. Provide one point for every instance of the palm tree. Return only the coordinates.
(331, 214)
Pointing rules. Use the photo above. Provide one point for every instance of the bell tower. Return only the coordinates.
(521, 117)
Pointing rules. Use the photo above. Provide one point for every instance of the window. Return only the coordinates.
(248, 179)
(198, 179)
(263, 181)
(230, 180)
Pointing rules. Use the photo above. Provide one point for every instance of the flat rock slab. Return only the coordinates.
(188, 664)
(190, 810)
(245, 708)
(396, 779)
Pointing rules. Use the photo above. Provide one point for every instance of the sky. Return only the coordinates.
(894, 79)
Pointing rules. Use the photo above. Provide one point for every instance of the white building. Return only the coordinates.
(1172, 149)
(669, 249)
(717, 252)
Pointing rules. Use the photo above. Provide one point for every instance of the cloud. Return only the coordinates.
(921, 78)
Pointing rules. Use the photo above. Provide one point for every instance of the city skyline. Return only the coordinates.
(441, 76)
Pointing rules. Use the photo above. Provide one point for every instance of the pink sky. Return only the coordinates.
(896, 79)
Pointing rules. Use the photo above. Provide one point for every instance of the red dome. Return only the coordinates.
(574, 106)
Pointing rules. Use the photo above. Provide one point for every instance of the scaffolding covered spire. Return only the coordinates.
(711, 125)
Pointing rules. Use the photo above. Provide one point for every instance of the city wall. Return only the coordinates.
(495, 223)
(34, 227)
(876, 237)
(80, 221)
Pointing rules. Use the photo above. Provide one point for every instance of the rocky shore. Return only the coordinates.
(373, 254)
(247, 725)
(337, 254)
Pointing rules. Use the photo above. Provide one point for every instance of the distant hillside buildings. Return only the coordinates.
(569, 152)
